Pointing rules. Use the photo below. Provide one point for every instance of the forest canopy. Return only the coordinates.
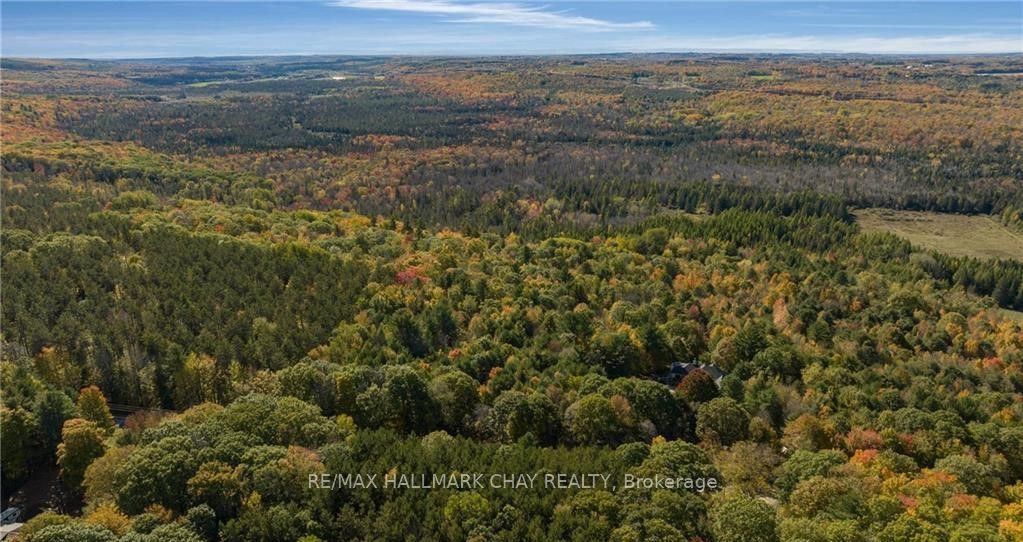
(221, 277)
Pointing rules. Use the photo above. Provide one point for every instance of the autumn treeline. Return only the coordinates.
(630, 266)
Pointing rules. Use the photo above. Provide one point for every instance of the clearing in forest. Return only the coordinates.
(959, 235)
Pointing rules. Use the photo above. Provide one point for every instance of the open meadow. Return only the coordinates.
(974, 236)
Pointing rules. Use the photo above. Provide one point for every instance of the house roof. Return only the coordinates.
(714, 371)
(9, 529)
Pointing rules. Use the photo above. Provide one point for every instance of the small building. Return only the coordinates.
(715, 372)
(678, 370)
(10, 515)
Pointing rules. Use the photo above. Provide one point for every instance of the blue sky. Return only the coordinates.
(134, 29)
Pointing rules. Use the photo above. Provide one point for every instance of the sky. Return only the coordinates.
(148, 29)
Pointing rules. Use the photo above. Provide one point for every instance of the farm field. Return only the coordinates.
(974, 236)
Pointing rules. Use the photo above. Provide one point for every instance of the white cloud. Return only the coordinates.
(1004, 26)
(495, 13)
(948, 44)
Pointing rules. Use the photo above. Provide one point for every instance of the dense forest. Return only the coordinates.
(223, 276)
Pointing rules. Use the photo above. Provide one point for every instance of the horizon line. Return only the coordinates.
(772, 52)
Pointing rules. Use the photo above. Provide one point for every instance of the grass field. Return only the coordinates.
(958, 235)
(1016, 316)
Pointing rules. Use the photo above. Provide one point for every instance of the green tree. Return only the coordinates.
(219, 486)
(157, 473)
(722, 421)
(647, 529)
(457, 397)
(412, 408)
(464, 513)
(270, 524)
(651, 407)
(199, 381)
(807, 432)
(20, 383)
(976, 476)
(593, 420)
(826, 498)
(737, 517)
(278, 420)
(585, 516)
(804, 464)
(652, 241)
(617, 354)
(749, 341)
(515, 414)
(82, 443)
(409, 334)
(676, 458)
(100, 482)
(52, 409)
(309, 382)
(913, 529)
(74, 532)
(171, 532)
(976, 533)
(19, 438)
(56, 368)
(41, 521)
(204, 522)
(285, 480)
(819, 332)
(92, 406)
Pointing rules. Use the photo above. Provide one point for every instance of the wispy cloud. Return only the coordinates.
(998, 26)
(508, 13)
(953, 44)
